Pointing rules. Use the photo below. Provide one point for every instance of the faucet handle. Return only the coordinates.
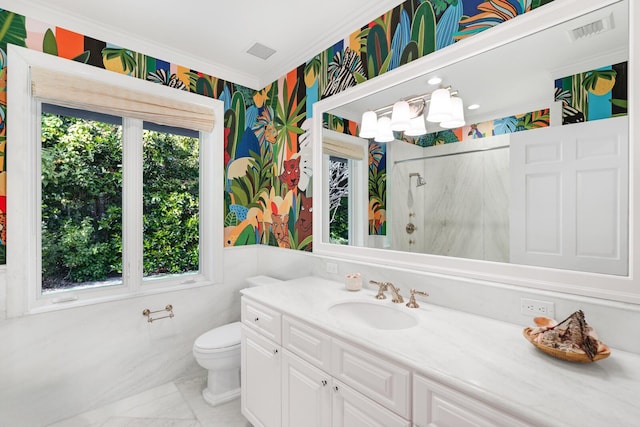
(382, 286)
(412, 300)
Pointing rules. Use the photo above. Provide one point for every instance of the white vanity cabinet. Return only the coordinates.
(377, 378)
(306, 393)
(436, 405)
(351, 409)
(295, 374)
(260, 372)
(312, 379)
(260, 379)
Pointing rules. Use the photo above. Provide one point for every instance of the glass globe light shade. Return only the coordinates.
(368, 125)
(440, 106)
(457, 120)
(400, 117)
(385, 134)
(417, 127)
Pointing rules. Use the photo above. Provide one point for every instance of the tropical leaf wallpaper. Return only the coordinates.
(509, 124)
(267, 161)
(594, 94)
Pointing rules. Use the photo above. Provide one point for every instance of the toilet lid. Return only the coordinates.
(220, 337)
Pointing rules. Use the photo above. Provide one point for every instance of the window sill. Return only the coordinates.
(84, 301)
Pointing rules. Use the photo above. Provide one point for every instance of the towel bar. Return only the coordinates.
(148, 313)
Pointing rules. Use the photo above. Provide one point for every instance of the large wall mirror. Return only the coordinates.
(545, 204)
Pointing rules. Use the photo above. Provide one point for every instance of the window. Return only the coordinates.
(170, 204)
(340, 204)
(120, 199)
(345, 202)
(81, 199)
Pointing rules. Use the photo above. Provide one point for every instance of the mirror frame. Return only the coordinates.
(616, 288)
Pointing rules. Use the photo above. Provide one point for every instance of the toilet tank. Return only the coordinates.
(261, 280)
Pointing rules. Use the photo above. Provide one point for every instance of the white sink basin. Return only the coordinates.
(372, 315)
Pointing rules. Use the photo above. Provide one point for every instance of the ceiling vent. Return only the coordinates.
(261, 51)
(593, 28)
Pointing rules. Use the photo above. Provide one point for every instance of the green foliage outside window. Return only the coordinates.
(82, 202)
(171, 203)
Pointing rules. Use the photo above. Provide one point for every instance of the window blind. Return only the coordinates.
(342, 149)
(77, 91)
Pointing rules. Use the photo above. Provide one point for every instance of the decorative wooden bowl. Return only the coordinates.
(566, 355)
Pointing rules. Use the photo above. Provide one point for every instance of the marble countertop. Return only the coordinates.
(485, 358)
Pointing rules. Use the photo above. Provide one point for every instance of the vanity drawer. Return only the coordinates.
(307, 342)
(351, 408)
(435, 404)
(262, 319)
(379, 379)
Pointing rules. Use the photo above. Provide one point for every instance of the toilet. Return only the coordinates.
(218, 351)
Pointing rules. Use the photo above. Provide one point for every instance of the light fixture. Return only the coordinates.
(457, 110)
(408, 115)
(440, 106)
(400, 116)
(473, 107)
(384, 134)
(369, 124)
(417, 127)
(434, 81)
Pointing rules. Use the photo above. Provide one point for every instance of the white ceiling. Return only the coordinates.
(213, 36)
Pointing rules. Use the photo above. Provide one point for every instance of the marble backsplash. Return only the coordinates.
(614, 321)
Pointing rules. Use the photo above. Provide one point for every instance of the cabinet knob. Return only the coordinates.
(275, 351)
(335, 388)
(256, 319)
(324, 383)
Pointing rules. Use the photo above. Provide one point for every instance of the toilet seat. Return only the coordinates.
(220, 339)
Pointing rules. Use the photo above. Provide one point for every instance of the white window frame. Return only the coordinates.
(24, 199)
(358, 184)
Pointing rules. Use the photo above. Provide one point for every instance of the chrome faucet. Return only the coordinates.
(387, 286)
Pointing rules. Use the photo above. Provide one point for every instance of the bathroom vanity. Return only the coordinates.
(315, 354)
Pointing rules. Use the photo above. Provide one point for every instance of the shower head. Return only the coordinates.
(421, 181)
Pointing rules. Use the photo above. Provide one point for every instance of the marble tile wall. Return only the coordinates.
(462, 211)
(453, 206)
(58, 364)
(495, 205)
(406, 204)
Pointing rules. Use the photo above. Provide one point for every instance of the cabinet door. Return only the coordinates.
(306, 394)
(351, 409)
(261, 380)
(436, 405)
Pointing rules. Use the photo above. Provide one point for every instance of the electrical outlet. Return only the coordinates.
(534, 307)
(332, 268)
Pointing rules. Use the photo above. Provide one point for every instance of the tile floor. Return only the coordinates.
(175, 404)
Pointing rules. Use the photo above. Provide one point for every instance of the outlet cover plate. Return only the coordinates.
(534, 307)
(332, 268)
